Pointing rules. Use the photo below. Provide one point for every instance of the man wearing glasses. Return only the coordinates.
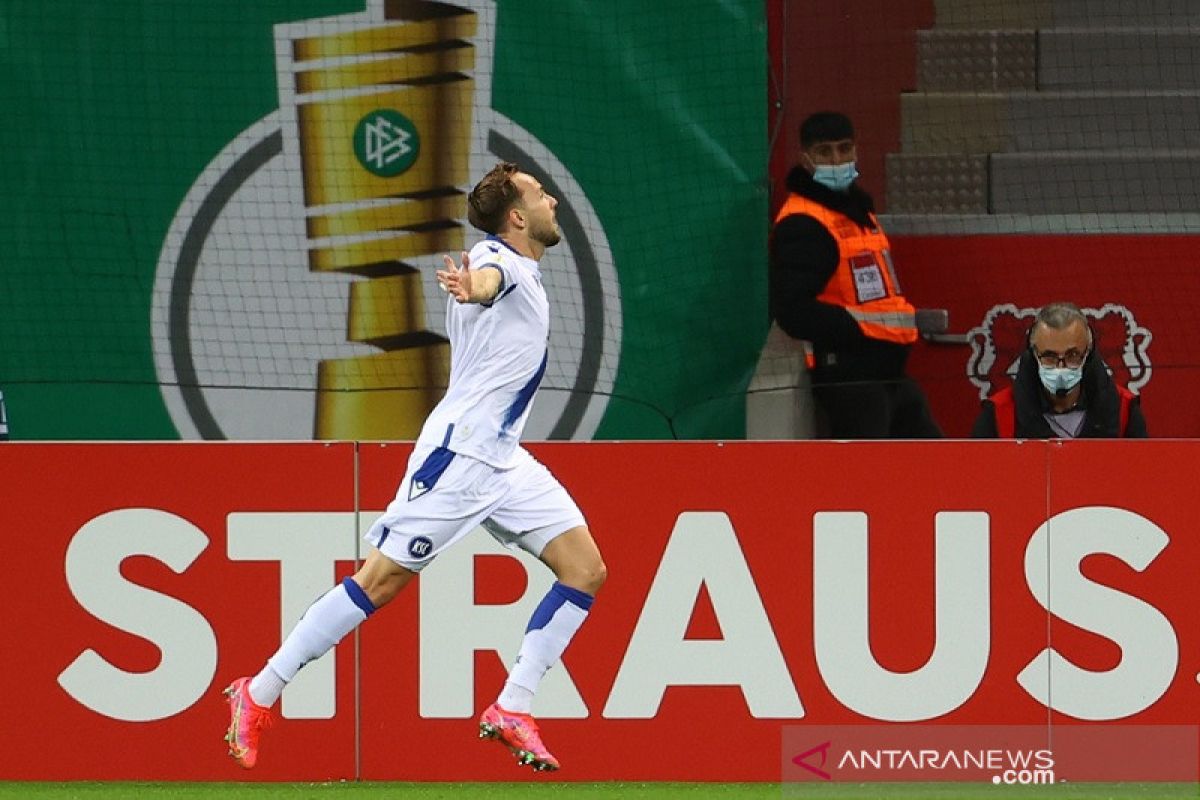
(1062, 389)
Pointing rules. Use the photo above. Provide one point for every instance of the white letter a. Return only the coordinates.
(703, 551)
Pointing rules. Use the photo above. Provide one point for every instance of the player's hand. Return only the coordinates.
(454, 280)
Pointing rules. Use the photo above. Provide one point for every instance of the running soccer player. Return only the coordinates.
(467, 468)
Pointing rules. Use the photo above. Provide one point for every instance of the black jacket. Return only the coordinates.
(1099, 399)
(804, 256)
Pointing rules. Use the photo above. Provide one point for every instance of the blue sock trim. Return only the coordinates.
(576, 596)
(553, 601)
(358, 596)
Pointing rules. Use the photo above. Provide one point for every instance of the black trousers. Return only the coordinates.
(894, 409)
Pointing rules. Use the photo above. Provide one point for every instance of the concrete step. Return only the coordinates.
(1136, 58)
(1100, 183)
(937, 184)
(970, 60)
(1034, 14)
(1057, 59)
(994, 122)
(956, 60)
(1045, 183)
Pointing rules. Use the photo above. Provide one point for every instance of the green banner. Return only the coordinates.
(222, 218)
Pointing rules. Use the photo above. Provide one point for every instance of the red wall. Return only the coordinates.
(854, 56)
(1150, 276)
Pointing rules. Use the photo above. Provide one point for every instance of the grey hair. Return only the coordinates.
(1060, 316)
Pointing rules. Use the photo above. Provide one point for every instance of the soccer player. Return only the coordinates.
(468, 468)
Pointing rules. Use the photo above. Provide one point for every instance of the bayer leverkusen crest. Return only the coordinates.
(997, 343)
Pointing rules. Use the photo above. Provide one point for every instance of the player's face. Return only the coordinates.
(539, 209)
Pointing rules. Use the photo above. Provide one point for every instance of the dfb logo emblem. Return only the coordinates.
(420, 546)
(997, 344)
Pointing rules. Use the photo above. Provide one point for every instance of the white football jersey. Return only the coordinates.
(497, 359)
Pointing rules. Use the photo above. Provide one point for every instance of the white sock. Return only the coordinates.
(515, 698)
(332, 616)
(266, 686)
(550, 630)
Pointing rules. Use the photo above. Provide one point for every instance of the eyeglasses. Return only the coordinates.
(1072, 358)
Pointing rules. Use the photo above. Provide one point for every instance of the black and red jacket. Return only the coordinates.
(1110, 411)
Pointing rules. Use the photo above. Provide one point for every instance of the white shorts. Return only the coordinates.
(444, 495)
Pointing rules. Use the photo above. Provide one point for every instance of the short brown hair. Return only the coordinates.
(489, 202)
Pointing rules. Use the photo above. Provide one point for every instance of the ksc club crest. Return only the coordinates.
(295, 296)
(997, 344)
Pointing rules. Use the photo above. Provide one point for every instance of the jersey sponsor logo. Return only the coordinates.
(998, 341)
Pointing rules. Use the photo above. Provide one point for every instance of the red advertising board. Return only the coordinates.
(754, 589)
(122, 589)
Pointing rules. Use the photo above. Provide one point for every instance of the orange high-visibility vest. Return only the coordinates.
(864, 282)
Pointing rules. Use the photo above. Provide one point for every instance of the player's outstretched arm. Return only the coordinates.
(468, 285)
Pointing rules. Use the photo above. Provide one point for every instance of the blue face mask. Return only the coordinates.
(837, 177)
(1060, 380)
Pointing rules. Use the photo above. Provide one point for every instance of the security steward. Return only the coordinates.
(833, 285)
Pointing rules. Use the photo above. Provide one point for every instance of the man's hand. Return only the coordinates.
(466, 285)
(455, 281)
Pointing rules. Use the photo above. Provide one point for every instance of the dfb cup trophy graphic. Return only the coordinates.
(368, 99)
(307, 247)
